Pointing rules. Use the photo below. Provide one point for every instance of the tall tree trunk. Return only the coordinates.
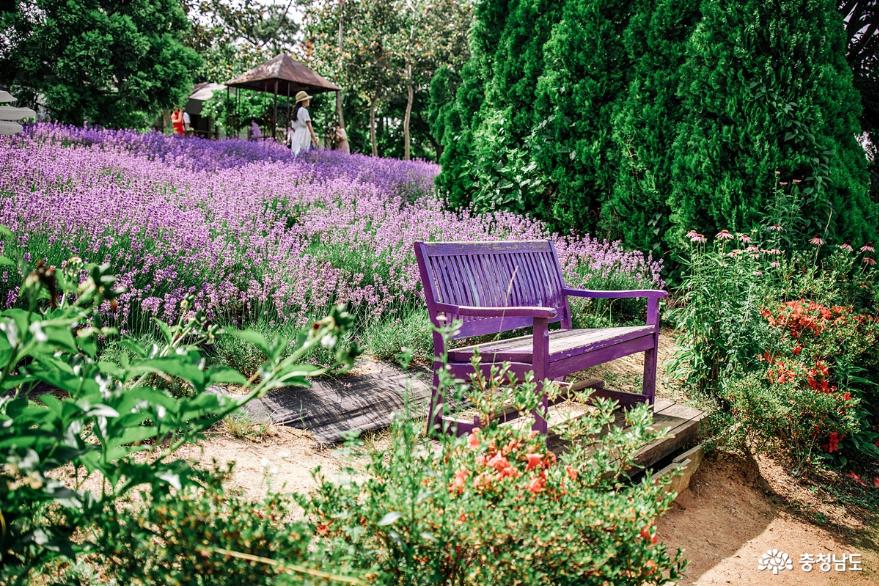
(407, 117)
(339, 41)
(372, 108)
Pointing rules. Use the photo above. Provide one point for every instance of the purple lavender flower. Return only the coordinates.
(245, 228)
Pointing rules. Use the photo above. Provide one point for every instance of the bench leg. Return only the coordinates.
(649, 386)
(540, 343)
(541, 413)
(435, 415)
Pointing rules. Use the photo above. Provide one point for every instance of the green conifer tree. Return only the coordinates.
(768, 99)
(586, 69)
(645, 122)
(456, 180)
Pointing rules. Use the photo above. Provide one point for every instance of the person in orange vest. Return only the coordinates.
(177, 122)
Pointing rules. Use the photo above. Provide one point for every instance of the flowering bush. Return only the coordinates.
(209, 534)
(497, 506)
(808, 398)
(253, 234)
(785, 342)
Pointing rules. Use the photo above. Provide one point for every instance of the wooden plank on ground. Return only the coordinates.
(682, 469)
(679, 434)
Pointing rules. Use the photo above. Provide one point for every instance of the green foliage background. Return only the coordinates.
(110, 63)
(642, 120)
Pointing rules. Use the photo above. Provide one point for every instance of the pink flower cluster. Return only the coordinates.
(250, 231)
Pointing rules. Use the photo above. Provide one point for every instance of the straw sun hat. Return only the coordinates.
(302, 96)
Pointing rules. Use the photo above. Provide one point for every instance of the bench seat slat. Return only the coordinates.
(562, 344)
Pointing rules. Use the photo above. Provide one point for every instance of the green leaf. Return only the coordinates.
(252, 337)
(165, 329)
(224, 374)
(178, 366)
(138, 434)
(88, 344)
(53, 403)
(62, 336)
(389, 519)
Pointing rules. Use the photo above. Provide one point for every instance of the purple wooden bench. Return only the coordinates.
(494, 287)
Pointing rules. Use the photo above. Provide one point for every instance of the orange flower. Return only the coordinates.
(856, 477)
(536, 485)
(509, 473)
(534, 461)
(499, 462)
(459, 482)
(572, 472)
(833, 442)
(473, 440)
(483, 481)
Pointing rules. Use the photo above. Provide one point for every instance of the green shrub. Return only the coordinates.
(385, 339)
(209, 535)
(647, 119)
(766, 90)
(585, 71)
(786, 343)
(67, 416)
(718, 315)
(645, 123)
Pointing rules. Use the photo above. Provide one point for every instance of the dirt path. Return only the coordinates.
(726, 521)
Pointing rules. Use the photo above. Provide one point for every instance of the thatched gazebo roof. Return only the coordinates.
(283, 76)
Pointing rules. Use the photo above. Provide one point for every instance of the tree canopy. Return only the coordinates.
(642, 120)
(111, 63)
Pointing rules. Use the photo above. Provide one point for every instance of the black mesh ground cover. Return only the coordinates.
(334, 407)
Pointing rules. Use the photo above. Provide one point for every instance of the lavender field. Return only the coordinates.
(255, 235)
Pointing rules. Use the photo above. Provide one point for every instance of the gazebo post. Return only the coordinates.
(275, 112)
(238, 112)
(289, 109)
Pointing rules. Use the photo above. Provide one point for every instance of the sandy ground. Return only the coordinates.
(284, 460)
(730, 517)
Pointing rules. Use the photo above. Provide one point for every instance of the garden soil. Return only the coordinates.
(732, 514)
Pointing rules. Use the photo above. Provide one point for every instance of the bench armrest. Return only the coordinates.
(515, 311)
(652, 295)
(648, 293)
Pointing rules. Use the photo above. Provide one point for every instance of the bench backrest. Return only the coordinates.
(491, 274)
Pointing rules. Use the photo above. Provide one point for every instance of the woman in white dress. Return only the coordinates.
(302, 135)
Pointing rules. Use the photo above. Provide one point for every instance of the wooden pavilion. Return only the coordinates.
(283, 76)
